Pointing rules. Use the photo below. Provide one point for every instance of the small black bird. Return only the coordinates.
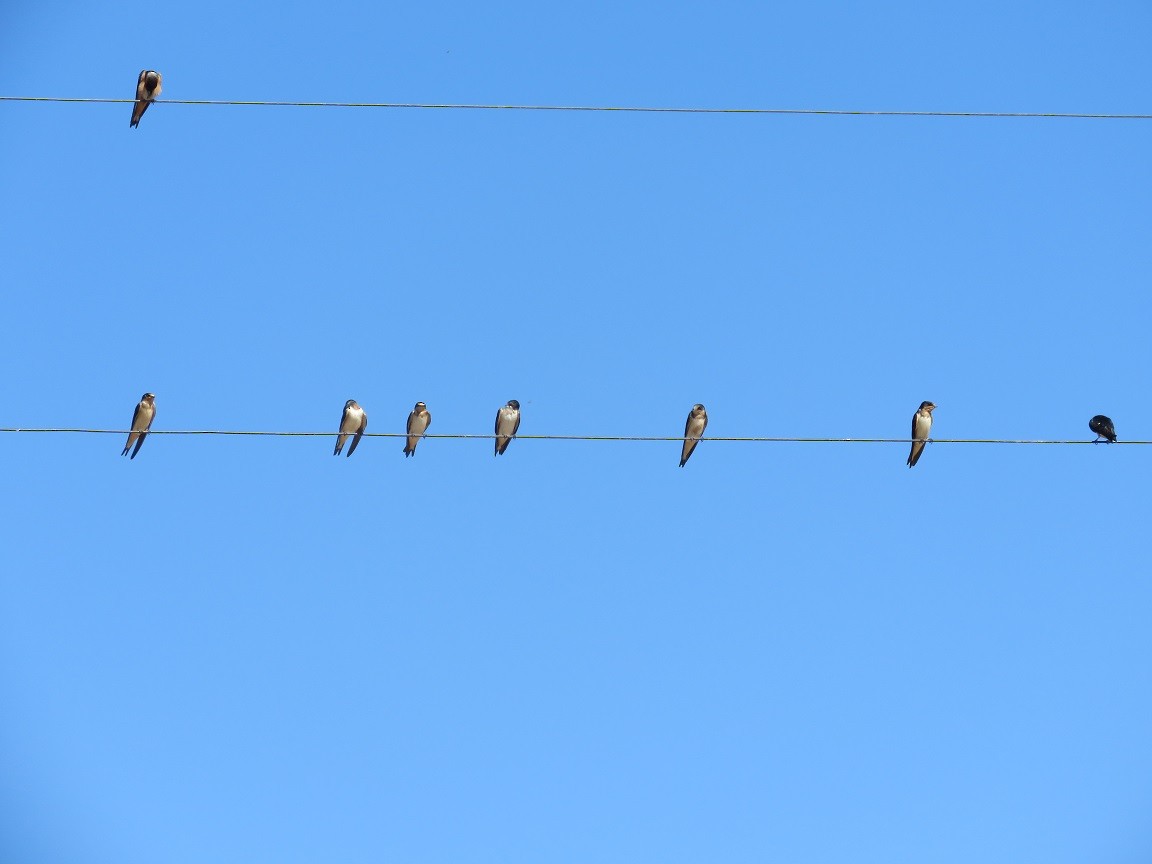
(1103, 428)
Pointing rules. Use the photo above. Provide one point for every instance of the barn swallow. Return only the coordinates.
(147, 89)
(921, 426)
(142, 419)
(693, 429)
(418, 422)
(1103, 428)
(507, 422)
(353, 420)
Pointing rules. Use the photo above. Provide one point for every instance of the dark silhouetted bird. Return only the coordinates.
(1103, 428)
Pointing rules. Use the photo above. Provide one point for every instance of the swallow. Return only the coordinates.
(1103, 428)
(353, 420)
(142, 419)
(507, 422)
(921, 426)
(693, 429)
(147, 89)
(418, 422)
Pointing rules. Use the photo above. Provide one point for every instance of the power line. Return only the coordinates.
(761, 439)
(627, 109)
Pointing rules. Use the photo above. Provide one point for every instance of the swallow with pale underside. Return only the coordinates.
(921, 426)
(693, 430)
(418, 422)
(507, 422)
(1103, 428)
(142, 419)
(147, 89)
(352, 422)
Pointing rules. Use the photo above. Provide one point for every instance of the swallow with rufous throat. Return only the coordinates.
(1103, 428)
(507, 422)
(352, 422)
(921, 426)
(142, 419)
(418, 422)
(693, 429)
(147, 89)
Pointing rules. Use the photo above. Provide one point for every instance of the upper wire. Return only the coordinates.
(633, 109)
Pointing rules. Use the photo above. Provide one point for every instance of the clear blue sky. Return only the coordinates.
(244, 650)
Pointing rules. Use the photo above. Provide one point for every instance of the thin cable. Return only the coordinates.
(631, 109)
(772, 439)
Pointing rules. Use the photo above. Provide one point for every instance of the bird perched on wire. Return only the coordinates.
(418, 422)
(352, 422)
(147, 89)
(921, 426)
(693, 430)
(142, 419)
(507, 422)
(1103, 428)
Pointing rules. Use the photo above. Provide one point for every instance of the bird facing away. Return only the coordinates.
(507, 422)
(921, 426)
(352, 422)
(142, 419)
(1103, 428)
(147, 89)
(693, 429)
(418, 422)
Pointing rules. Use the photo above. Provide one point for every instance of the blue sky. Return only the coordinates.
(244, 650)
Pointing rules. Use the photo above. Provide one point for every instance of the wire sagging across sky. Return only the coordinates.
(627, 109)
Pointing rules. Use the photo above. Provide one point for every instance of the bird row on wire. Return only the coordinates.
(354, 423)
